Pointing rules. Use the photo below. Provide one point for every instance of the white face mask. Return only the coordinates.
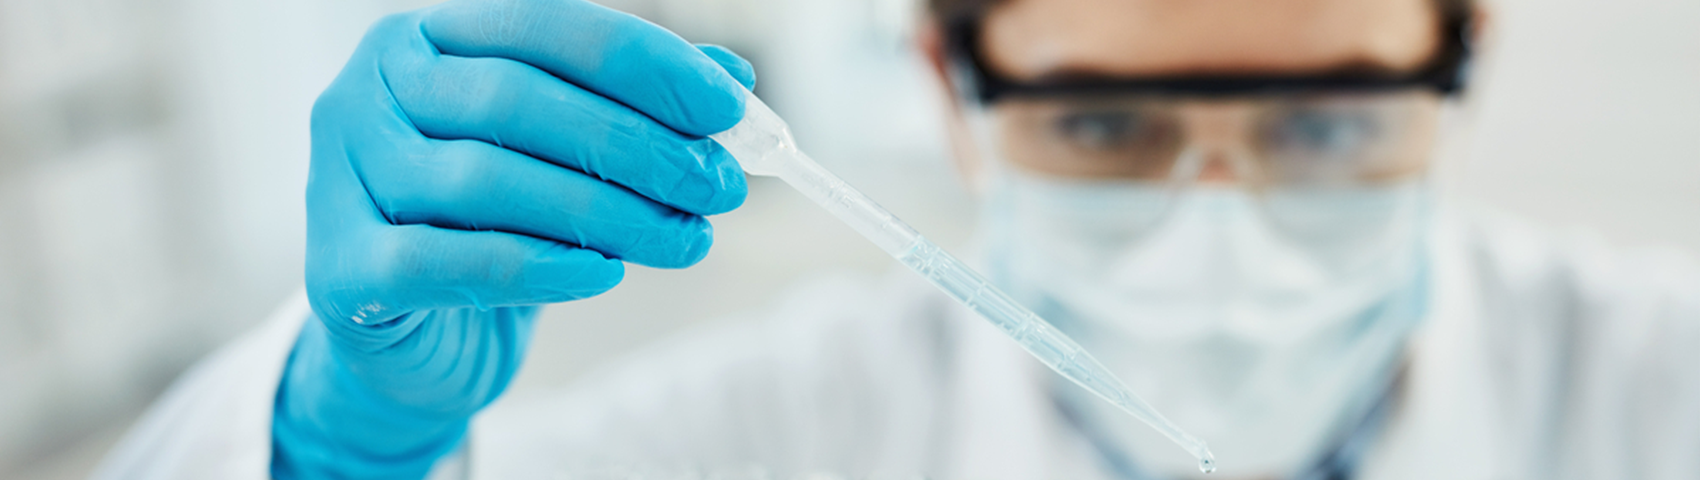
(1264, 327)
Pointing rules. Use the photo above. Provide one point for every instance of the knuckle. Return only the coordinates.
(337, 288)
(488, 88)
(435, 186)
(329, 109)
(502, 22)
(457, 174)
(387, 30)
(399, 179)
(391, 24)
(392, 259)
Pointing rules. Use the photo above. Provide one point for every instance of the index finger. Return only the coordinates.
(612, 53)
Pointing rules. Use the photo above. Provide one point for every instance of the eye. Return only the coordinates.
(1323, 131)
(1109, 130)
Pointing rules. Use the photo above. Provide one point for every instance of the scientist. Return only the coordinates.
(1228, 201)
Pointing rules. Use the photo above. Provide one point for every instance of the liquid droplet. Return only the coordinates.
(1207, 465)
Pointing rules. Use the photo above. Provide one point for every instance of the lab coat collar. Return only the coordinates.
(1444, 424)
(1003, 424)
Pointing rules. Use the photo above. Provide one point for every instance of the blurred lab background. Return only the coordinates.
(153, 155)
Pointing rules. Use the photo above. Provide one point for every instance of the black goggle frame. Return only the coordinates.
(1445, 73)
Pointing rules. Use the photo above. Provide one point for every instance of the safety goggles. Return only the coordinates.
(1347, 128)
(1267, 141)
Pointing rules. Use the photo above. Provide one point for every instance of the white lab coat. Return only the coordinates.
(1542, 359)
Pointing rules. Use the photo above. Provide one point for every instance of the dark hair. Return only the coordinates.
(950, 10)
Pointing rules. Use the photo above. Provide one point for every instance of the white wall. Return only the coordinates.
(153, 153)
(1588, 116)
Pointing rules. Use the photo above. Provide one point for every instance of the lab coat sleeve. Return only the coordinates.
(1599, 350)
(840, 377)
(215, 421)
(1635, 366)
(843, 377)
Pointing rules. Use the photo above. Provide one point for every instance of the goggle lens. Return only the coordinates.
(1268, 141)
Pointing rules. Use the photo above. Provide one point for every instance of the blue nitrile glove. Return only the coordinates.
(473, 160)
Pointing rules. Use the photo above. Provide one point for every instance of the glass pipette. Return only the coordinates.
(763, 145)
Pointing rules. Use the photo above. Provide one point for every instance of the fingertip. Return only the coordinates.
(715, 104)
(697, 249)
(740, 69)
(713, 183)
(680, 243)
(565, 273)
(717, 108)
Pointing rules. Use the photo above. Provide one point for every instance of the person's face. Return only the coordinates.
(1038, 40)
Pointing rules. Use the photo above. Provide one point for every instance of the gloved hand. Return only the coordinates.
(473, 160)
